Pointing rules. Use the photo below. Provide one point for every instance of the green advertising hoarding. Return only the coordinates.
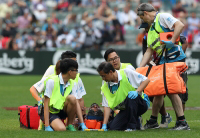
(30, 62)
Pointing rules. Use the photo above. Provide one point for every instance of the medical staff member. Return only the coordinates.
(163, 22)
(59, 103)
(123, 91)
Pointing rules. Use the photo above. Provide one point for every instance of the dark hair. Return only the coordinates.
(58, 67)
(105, 67)
(68, 54)
(144, 7)
(67, 65)
(108, 51)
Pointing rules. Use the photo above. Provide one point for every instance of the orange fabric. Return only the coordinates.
(93, 124)
(168, 36)
(174, 81)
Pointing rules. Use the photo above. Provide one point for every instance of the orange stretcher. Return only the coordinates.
(164, 79)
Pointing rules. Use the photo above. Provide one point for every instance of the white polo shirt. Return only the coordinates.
(167, 20)
(40, 84)
(134, 78)
(129, 67)
(50, 87)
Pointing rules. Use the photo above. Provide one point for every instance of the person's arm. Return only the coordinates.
(143, 85)
(79, 112)
(81, 102)
(146, 57)
(37, 88)
(106, 115)
(46, 110)
(49, 71)
(47, 95)
(178, 28)
(34, 93)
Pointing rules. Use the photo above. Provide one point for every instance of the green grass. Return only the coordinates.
(14, 91)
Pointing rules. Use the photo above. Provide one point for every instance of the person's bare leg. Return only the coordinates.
(58, 125)
(183, 105)
(70, 108)
(163, 110)
(157, 104)
(177, 104)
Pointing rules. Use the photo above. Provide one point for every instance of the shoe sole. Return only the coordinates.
(180, 129)
(152, 128)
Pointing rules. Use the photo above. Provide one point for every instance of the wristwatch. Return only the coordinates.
(139, 93)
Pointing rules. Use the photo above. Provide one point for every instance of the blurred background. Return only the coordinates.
(49, 25)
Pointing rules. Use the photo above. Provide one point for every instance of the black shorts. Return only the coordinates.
(184, 97)
(60, 115)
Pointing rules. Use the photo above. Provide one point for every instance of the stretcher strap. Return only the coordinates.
(164, 78)
(28, 117)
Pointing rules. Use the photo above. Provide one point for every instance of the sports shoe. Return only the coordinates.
(181, 125)
(165, 120)
(129, 130)
(140, 120)
(71, 128)
(151, 124)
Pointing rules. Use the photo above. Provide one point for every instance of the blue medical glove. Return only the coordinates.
(146, 98)
(48, 128)
(83, 127)
(169, 44)
(104, 127)
(132, 94)
(40, 106)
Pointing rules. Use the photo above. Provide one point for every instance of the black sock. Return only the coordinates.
(153, 118)
(181, 118)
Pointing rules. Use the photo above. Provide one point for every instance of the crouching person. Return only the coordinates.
(123, 91)
(59, 102)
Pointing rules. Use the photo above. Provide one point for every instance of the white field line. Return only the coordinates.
(192, 121)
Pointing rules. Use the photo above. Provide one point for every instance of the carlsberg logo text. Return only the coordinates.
(16, 65)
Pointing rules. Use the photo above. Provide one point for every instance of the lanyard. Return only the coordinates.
(110, 87)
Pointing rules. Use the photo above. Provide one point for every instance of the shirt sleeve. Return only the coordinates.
(80, 89)
(40, 85)
(167, 20)
(104, 101)
(49, 71)
(75, 90)
(130, 67)
(134, 77)
(49, 88)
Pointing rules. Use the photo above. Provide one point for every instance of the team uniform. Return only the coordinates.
(164, 23)
(123, 66)
(130, 109)
(57, 91)
(126, 65)
(78, 93)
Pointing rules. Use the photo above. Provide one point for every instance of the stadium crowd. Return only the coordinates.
(84, 24)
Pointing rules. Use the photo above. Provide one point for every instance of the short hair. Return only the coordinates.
(58, 67)
(144, 7)
(108, 51)
(68, 54)
(105, 67)
(67, 65)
